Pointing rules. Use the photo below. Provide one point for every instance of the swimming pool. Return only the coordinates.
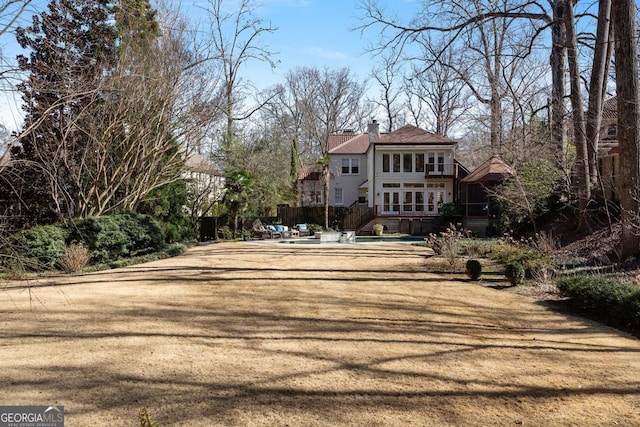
(358, 240)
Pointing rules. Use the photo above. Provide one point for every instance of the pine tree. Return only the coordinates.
(136, 23)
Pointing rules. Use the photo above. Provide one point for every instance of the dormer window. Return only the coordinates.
(612, 131)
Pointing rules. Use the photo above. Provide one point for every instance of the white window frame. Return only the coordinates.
(350, 167)
(338, 196)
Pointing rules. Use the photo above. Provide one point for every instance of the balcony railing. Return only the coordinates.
(449, 170)
(404, 211)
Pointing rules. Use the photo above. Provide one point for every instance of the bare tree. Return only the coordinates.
(602, 53)
(157, 112)
(484, 35)
(579, 129)
(557, 61)
(235, 38)
(387, 76)
(131, 128)
(436, 94)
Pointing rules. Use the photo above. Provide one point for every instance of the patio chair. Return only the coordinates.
(303, 230)
(262, 232)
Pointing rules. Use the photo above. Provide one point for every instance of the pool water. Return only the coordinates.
(360, 240)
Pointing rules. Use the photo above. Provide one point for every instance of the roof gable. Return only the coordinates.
(409, 134)
(356, 144)
(493, 170)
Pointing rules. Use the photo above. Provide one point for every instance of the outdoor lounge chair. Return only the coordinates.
(303, 230)
(262, 232)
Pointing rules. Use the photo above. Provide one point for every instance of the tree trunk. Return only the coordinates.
(559, 89)
(579, 131)
(325, 181)
(597, 86)
(496, 122)
(623, 13)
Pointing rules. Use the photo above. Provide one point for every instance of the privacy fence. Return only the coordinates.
(340, 218)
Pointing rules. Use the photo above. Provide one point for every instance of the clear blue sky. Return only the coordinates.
(315, 33)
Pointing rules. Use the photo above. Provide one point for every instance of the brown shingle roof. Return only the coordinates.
(409, 134)
(494, 169)
(357, 144)
(339, 138)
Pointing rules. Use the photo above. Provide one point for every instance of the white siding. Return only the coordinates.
(349, 182)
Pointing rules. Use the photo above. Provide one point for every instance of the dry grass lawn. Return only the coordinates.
(268, 334)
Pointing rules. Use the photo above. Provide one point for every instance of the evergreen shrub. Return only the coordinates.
(225, 233)
(314, 228)
(473, 269)
(116, 236)
(41, 246)
(618, 304)
(514, 272)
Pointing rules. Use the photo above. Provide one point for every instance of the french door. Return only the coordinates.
(391, 202)
(434, 198)
(413, 202)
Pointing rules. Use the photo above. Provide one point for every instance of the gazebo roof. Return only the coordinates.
(493, 170)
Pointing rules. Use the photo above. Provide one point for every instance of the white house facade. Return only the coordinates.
(406, 173)
(348, 169)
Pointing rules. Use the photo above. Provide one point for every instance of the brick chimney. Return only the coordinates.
(374, 131)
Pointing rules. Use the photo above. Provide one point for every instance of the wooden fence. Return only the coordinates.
(340, 218)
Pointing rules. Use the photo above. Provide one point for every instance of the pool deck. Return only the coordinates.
(360, 240)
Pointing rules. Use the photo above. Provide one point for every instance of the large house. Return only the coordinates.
(404, 176)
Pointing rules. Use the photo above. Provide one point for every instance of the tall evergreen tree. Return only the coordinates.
(137, 23)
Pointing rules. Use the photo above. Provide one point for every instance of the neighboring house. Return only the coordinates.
(348, 168)
(311, 189)
(608, 150)
(205, 183)
(404, 176)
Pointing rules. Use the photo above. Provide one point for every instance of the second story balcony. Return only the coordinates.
(441, 170)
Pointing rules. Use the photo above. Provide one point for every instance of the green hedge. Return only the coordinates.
(41, 246)
(109, 238)
(117, 236)
(618, 304)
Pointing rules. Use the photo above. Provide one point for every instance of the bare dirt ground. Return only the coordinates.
(257, 334)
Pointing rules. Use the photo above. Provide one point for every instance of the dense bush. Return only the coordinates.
(473, 269)
(42, 246)
(536, 263)
(117, 236)
(164, 204)
(225, 233)
(616, 303)
(514, 272)
(314, 227)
